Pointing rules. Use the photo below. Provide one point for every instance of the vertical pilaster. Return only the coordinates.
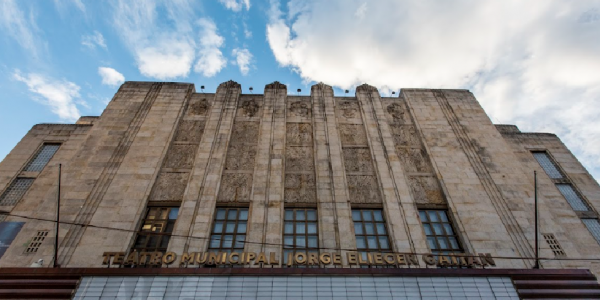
(260, 183)
(404, 226)
(275, 197)
(335, 214)
(210, 162)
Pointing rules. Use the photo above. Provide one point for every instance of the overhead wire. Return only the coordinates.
(277, 244)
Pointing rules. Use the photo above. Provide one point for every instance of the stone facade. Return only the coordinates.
(164, 144)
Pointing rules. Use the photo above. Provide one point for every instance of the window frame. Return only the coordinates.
(294, 248)
(161, 234)
(223, 232)
(450, 222)
(377, 235)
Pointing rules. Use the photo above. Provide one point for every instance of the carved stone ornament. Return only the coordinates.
(299, 108)
(365, 88)
(250, 107)
(198, 107)
(398, 112)
(230, 84)
(276, 85)
(320, 86)
(349, 108)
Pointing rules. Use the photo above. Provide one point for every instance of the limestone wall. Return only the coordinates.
(164, 144)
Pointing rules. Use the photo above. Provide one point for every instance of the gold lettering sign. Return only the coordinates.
(300, 258)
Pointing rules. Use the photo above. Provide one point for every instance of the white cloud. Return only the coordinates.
(247, 32)
(236, 5)
(61, 6)
(19, 26)
(243, 57)
(162, 50)
(59, 95)
(361, 11)
(93, 40)
(211, 59)
(536, 67)
(162, 36)
(110, 76)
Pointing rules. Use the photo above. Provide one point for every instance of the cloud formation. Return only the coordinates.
(243, 57)
(163, 37)
(110, 76)
(19, 26)
(536, 67)
(162, 50)
(93, 40)
(60, 95)
(236, 5)
(210, 58)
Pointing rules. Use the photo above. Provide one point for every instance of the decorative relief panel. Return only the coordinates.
(249, 107)
(414, 160)
(235, 187)
(301, 108)
(405, 135)
(299, 134)
(180, 156)
(169, 187)
(197, 107)
(398, 112)
(349, 109)
(352, 134)
(240, 157)
(300, 188)
(299, 159)
(190, 131)
(363, 189)
(244, 132)
(426, 190)
(358, 160)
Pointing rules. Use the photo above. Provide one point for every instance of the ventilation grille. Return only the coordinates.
(36, 242)
(554, 245)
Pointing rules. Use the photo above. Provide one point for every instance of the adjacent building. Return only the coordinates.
(174, 193)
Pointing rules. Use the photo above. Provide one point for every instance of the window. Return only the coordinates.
(371, 232)
(554, 245)
(441, 237)
(229, 230)
(156, 229)
(15, 191)
(42, 158)
(549, 167)
(20, 185)
(593, 226)
(300, 233)
(572, 197)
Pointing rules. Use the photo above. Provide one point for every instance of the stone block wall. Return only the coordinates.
(164, 144)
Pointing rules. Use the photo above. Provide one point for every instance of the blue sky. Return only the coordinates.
(536, 66)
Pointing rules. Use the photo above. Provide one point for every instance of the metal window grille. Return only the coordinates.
(547, 164)
(156, 229)
(572, 197)
(229, 230)
(36, 242)
(594, 227)
(15, 191)
(371, 232)
(300, 233)
(441, 237)
(554, 245)
(42, 158)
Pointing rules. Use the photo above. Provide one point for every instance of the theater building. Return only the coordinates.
(175, 194)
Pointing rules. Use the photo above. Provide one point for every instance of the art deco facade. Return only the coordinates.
(358, 188)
